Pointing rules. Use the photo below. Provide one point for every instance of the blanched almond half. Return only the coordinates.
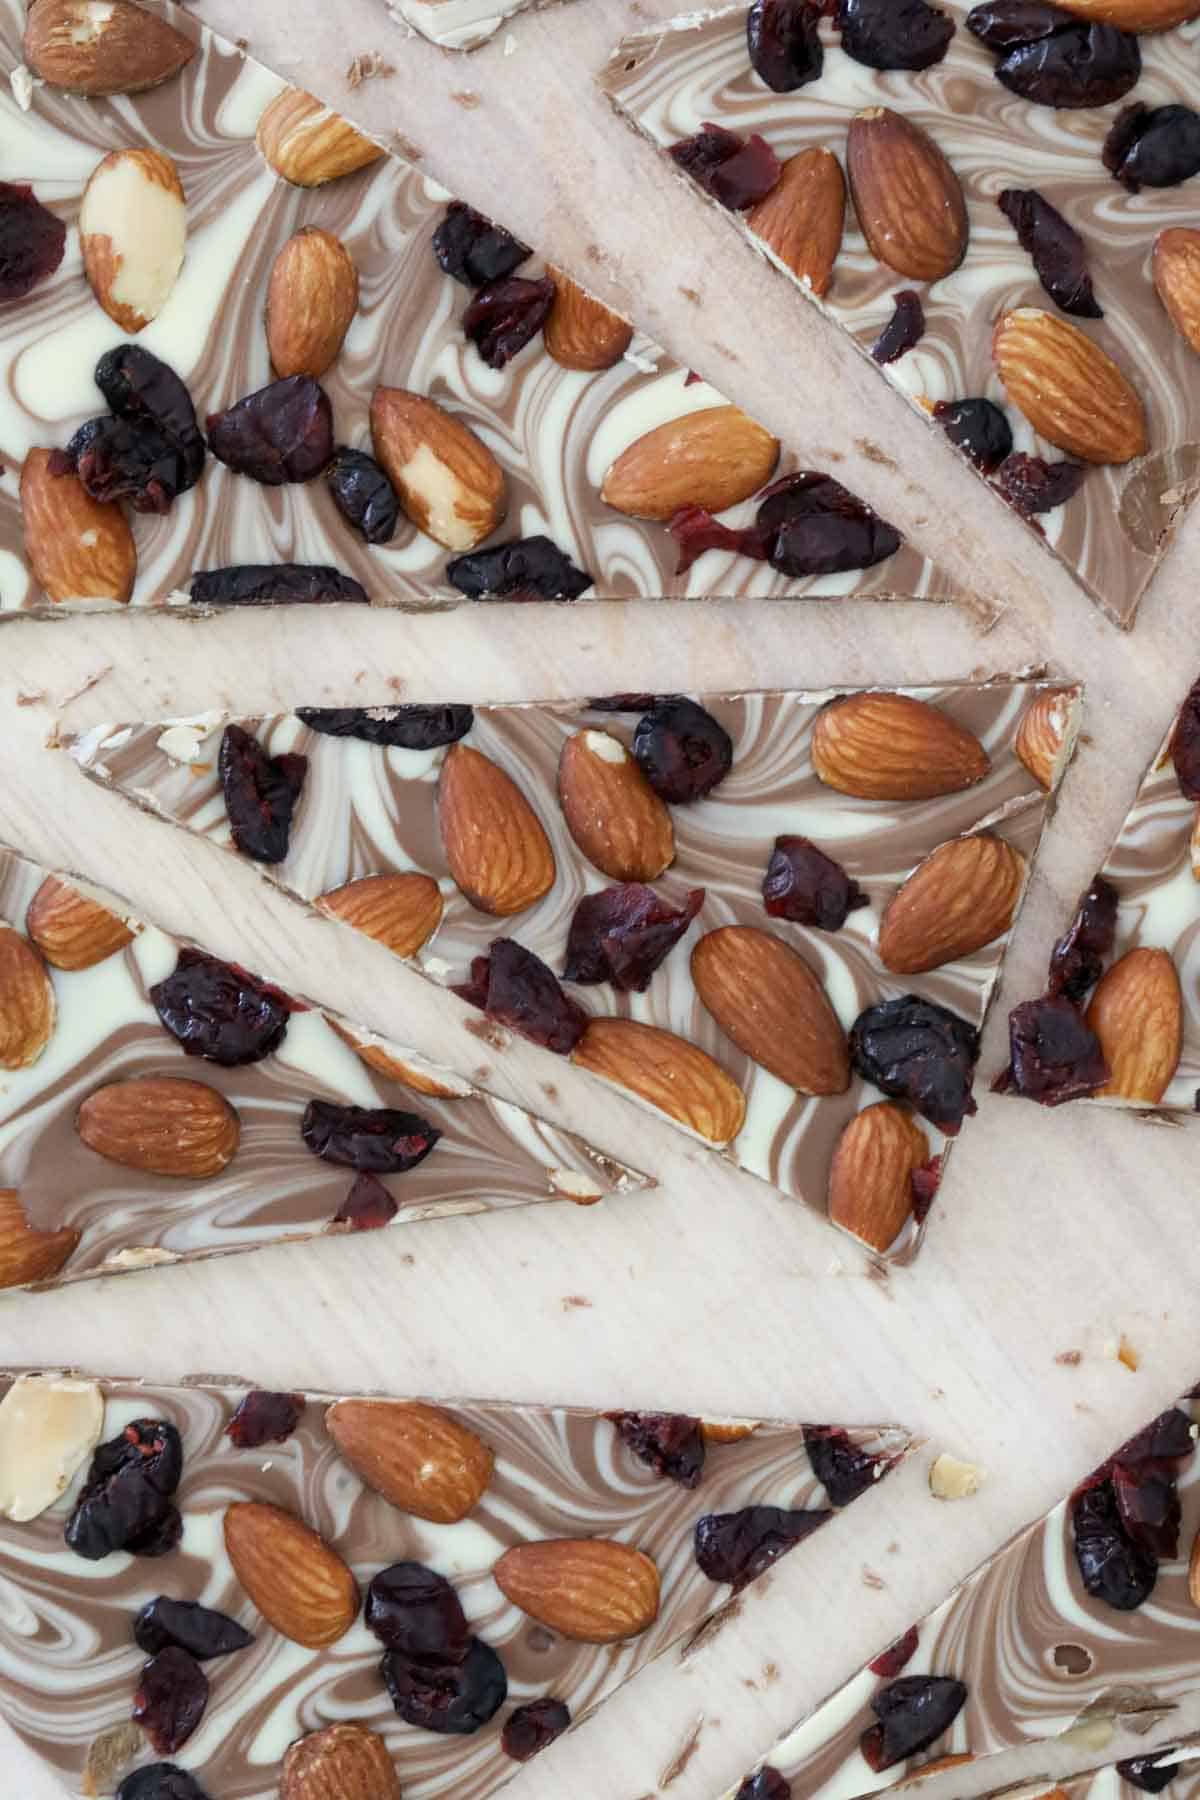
(711, 458)
(667, 1072)
(612, 812)
(449, 483)
(1137, 1014)
(765, 997)
(132, 230)
(78, 548)
(581, 332)
(399, 911)
(49, 1426)
(27, 1004)
(499, 855)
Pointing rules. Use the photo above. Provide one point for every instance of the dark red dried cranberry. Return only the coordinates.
(623, 933)
(913, 1049)
(32, 241)
(894, 34)
(739, 173)
(264, 1417)
(171, 1696)
(473, 250)
(514, 987)
(1112, 1567)
(127, 459)
(283, 432)
(1153, 146)
(399, 727)
(1055, 1056)
(978, 428)
(1185, 744)
(1032, 485)
(913, 1713)
(261, 792)
(682, 750)
(505, 315)
(363, 494)
(736, 1547)
(379, 1139)
(1149, 1773)
(1055, 59)
(367, 1207)
(160, 1781)
(1002, 24)
(889, 1662)
(765, 1784)
(817, 527)
(160, 1538)
(695, 530)
(264, 584)
(533, 1727)
(629, 703)
(415, 1610)
(197, 1629)
(1148, 1504)
(844, 1469)
(671, 1443)
(454, 1698)
(1077, 960)
(784, 44)
(531, 568)
(1058, 251)
(806, 886)
(903, 331)
(141, 387)
(925, 1184)
(128, 1489)
(1166, 1439)
(217, 1011)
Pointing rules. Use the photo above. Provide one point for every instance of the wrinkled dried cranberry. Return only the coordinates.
(532, 1727)
(160, 1781)
(363, 494)
(1185, 744)
(889, 1662)
(915, 1050)
(531, 568)
(399, 727)
(415, 1610)
(623, 933)
(505, 315)
(128, 1489)
(784, 44)
(379, 1139)
(1077, 960)
(806, 886)
(1153, 146)
(736, 1547)
(514, 987)
(844, 1469)
(264, 1417)
(739, 173)
(140, 386)
(682, 750)
(630, 703)
(1032, 485)
(32, 241)
(1058, 251)
(197, 1629)
(807, 524)
(160, 1538)
(261, 584)
(1054, 1054)
(1148, 1504)
(449, 1697)
(474, 250)
(171, 1696)
(215, 1010)
(894, 34)
(1149, 1773)
(283, 432)
(367, 1207)
(765, 1784)
(978, 428)
(1053, 58)
(913, 1713)
(903, 331)
(127, 459)
(1001, 24)
(695, 530)
(671, 1443)
(925, 1184)
(261, 792)
(1112, 1567)
(1166, 1439)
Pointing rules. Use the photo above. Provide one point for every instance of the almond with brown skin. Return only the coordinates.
(765, 997)
(312, 298)
(870, 1177)
(102, 46)
(581, 332)
(342, 1762)
(78, 548)
(666, 1072)
(1135, 15)
(449, 483)
(308, 143)
(299, 1585)
(25, 1254)
(1194, 1571)
(711, 458)
(963, 896)
(27, 1004)
(1194, 845)
(1046, 735)
(132, 231)
(72, 930)
(1176, 268)
(161, 1124)
(908, 199)
(499, 855)
(420, 1457)
(399, 911)
(1070, 390)
(802, 219)
(420, 1078)
(612, 812)
(1137, 1014)
(879, 746)
(591, 1590)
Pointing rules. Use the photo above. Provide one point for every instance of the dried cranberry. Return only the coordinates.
(1148, 1504)
(128, 1489)
(1153, 146)
(1055, 1056)
(215, 1010)
(367, 1207)
(197, 1629)
(264, 584)
(1112, 1567)
(32, 241)
(682, 750)
(765, 1784)
(473, 250)
(806, 886)
(925, 1184)
(1058, 251)
(739, 173)
(455, 1697)
(889, 1662)
(415, 1610)
(399, 727)
(623, 933)
(378, 1139)
(843, 1468)
(161, 1537)
(283, 432)
(1167, 1439)
(629, 703)
(514, 987)
(505, 315)
(171, 1696)
(1077, 960)
(913, 1713)
(363, 494)
(736, 1547)
(127, 459)
(671, 1443)
(1053, 58)
(264, 1417)
(978, 428)
(160, 1781)
(784, 44)
(1185, 744)
(1032, 485)
(261, 792)
(818, 527)
(894, 34)
(141, 387)
(1002, 24)
(1149, 1773)
(913, 1049)
(903, 331)
(533, 1727)
(695, 530)
(531, 568)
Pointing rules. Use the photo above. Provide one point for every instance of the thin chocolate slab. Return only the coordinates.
(461, 24)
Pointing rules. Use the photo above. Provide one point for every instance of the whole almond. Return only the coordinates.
(881, 746)
(666, 1072)
(1046, 735)
(25, 1254)
(711, 458)
(342, 1762)
(581, 332)
(870, 1177)
(412, 1073)
(299, 1585)
(803, 218)
(908, 199)
(1070, 390)
(498, 853)
(160, 1124)
(132, 231)
(449, 483)
(1135, 15)
(420, 1457)
(102, 46)
(612, 812)
(1176, 268)
(963, 896)
(312, 298)
(1137, 1014)
(591, 1590)
(308, 143)
(765, 997)
(78, 548)
(72, 930)
(27, 1004)
(399, 911)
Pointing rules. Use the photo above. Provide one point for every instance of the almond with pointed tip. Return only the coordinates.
(161, 1125)
(1070, 390)
(308, 143)
(711, 458)
(499, 855)
(27, 1255)
(612, 812)
(420, 1457)
(1176, 268)
(803, 218)
(581, 332)
(401, 912)
(341, 1762)
(909, 201)
(27, 1004)
(962, 897)
(765, 998)
(312, 298)
(870, 1177)
(1136, 1012)
(72, 930)
(449, 483)
(78, 548)
(667, 1072)
(299, 1585)
(101, 47)
(132, 231)
(591, 1590)
(881, 746)
(1046, 735)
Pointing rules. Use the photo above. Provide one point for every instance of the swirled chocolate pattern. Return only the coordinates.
(367, 810)
(460, 24)
(274, 1190)
(1114, 532)
(68, 1664)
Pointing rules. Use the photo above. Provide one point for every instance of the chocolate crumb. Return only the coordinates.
(1070, 1359)
(368, 67)
(467, 97)
(873, 453)
(495, 1036)
(871, 1580)
(573, 1302)
(36, 699)
(407, 147)
(549, 1089)
(691, 295)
